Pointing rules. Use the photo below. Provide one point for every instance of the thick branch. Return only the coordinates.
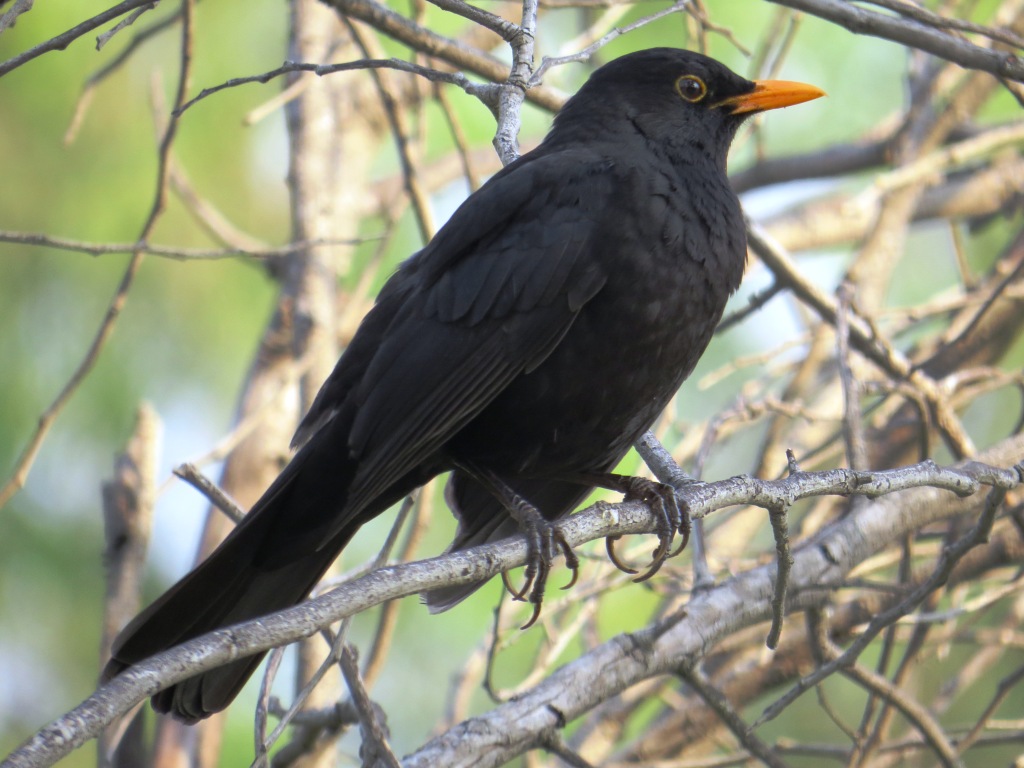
(508, 730)
(512, 728)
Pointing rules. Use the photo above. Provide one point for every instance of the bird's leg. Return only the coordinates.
(670, 515)
(544, 539)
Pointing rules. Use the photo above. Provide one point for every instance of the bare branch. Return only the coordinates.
(375, 735)
(590, 50)
(167, 252)
(62, 41)
(216, 495)
(512, 93)
(911, 709)
(485, 93)
(425, 41)
(11, 14)
(27, 458)
(978, 534)
(740, 601)
(505, 29)
(714, 698)
(932, 19)
(912, 34)
(504, 732)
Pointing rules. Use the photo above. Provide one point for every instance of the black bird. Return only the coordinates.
(524, 349)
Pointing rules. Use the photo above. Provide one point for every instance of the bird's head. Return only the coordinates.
(671, 96)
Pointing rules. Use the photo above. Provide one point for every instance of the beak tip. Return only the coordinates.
(774, 94)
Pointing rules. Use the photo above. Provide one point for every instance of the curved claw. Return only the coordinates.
(674, 512)
(571, 561)
(543, 568)
(543, 538)
(684, 531)
(530, 579)
(516, 595)
(660, 556)
(661, 552)
(655, 567)
(533, 618)
(609, 545)
(520, 595)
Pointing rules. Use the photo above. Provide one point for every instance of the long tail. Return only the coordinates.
(270, 561)
(225, 589)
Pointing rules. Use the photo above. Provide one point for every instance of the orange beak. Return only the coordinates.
(771, 94)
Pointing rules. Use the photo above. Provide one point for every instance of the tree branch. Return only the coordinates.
(109, 322)
(913, 34)
(62, 41)
(491, 739)
(512, 728)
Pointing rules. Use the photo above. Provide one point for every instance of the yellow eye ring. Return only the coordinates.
(691, 88)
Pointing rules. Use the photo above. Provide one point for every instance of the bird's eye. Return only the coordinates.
(691, 88)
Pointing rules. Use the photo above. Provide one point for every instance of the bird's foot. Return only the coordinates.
(671, 517)
(544, 540)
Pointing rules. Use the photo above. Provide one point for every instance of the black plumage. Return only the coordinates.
(524, 349)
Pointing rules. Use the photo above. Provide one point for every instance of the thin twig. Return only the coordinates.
(915, 713)
(214, 494)
(584, 55)
(397, 124)
(106, 37)
(94, 80)
(1003, 690)
(504, 28)
(853, 431)
(63, 40)
(167, 252)
(372, 725)
(743, 733)
(755, 302)
(11, 14)
(932, 19)
(784, 563)
(455, 53)
(109, 322)
(485, 92)
(415, 506)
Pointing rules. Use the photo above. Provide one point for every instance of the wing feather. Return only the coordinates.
(487, 300)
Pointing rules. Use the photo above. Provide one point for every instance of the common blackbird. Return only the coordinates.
(524, 349)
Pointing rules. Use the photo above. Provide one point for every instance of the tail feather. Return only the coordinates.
(270, 561)
(253, 594)
(221, 591)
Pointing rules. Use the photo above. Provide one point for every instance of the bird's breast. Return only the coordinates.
(625, 355)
